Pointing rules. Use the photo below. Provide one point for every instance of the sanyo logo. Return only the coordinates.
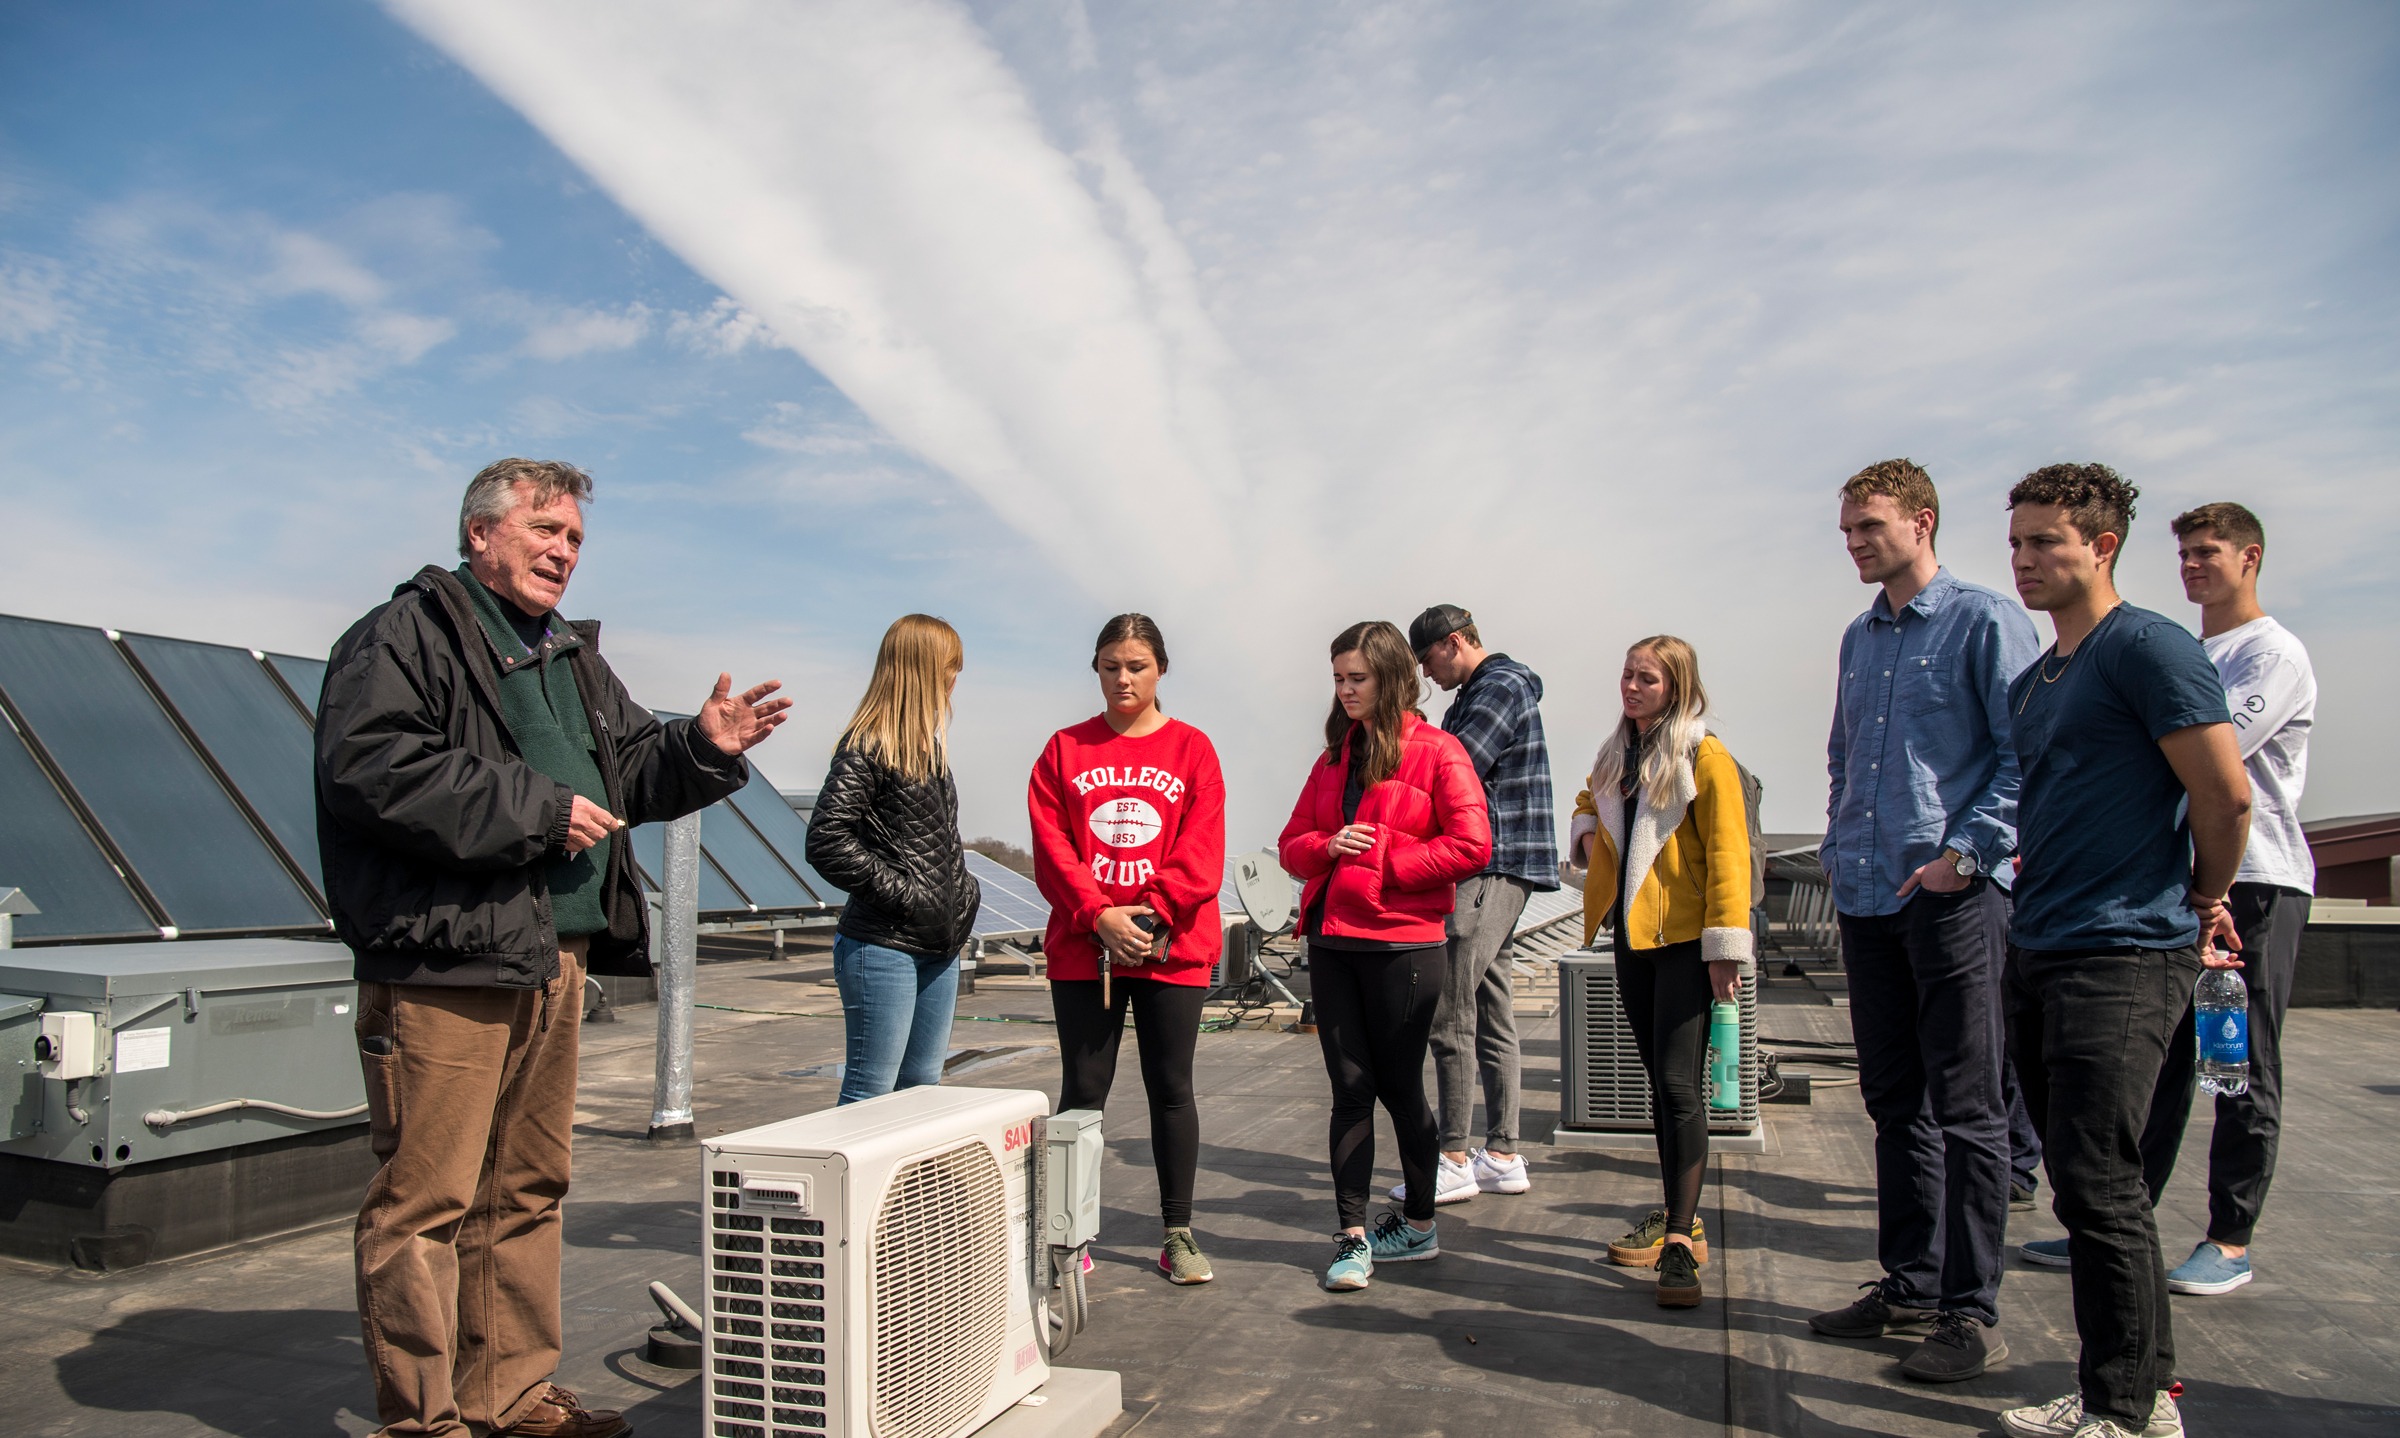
(1017, 1137)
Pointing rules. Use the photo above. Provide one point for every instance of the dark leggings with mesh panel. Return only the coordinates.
(1166, 1028)
(1665, 991)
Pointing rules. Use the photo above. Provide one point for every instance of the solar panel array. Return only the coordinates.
(1011, 903)
(154, 787)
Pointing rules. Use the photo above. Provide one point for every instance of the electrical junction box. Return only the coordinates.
(1072, 1149)
(68, 1046)
(95, 1038)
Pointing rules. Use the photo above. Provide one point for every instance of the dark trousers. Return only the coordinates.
(1925, 1011)
(1166, 1026)
(1666, 998)
(2241, 1150)
(2089, 1032)
(1374, 1013)
(2024, 1140)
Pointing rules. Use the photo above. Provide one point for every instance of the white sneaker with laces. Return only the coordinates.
(2065, 1418)
(1453, 1183)
(1497, 1174)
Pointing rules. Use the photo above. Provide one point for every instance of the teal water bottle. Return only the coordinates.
(1725, 1056)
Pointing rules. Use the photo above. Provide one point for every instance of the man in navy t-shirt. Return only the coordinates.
(2120, 904)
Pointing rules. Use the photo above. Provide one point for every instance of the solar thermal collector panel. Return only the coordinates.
(248, 728)
(157, 804)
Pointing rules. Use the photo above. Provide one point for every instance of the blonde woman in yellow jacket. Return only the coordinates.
(1663, 818)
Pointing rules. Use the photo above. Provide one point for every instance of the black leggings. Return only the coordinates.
(1666, 997)
(1166, 1026)
(1374, 1014)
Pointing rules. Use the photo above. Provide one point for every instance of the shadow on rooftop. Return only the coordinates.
(254, 1373)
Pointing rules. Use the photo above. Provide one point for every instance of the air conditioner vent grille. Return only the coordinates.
(939, 1287)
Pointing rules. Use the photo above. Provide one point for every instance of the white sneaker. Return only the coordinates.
(1453, 1183)
(1494, 1174)
(2064, 1418)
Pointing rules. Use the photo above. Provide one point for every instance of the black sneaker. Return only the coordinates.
(1871, 1315)
(1959, 1348)
(1678, 1277)
(2020, 1199)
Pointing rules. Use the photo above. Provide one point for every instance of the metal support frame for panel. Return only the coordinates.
(678, 966)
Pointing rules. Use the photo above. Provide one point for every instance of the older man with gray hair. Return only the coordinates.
(477, 762)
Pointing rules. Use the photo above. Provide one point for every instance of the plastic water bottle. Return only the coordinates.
(2221, 1016)
(1725, 1056)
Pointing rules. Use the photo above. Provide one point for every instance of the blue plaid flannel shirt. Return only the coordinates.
(1497, 715)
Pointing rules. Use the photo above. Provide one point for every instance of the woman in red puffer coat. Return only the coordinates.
(1391, 818)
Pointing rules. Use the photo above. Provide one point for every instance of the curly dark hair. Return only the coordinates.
(2097, 500)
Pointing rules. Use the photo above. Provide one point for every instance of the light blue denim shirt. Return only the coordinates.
(1920, 755)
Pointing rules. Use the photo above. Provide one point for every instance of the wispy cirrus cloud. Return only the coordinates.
(1575, 315)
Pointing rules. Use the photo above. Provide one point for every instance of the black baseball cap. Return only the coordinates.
(1435, 625)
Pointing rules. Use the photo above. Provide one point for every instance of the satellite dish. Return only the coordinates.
(1267, 893)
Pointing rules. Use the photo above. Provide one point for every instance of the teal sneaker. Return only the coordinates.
(1353, 1264)
(2048, 1252)
(1396, 1242)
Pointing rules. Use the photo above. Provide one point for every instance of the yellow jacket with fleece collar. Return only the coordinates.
(1691, 847)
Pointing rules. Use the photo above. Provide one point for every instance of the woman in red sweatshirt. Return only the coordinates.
(1128, 813)
(1391, 818)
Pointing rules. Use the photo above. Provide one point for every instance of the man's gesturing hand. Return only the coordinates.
(734, 724)
(588, 824)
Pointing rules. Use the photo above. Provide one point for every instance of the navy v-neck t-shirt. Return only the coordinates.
(2100, 813)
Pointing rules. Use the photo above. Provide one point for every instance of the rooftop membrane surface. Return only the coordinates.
(1513, 1331)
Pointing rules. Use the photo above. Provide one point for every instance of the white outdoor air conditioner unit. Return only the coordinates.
(883, 1269)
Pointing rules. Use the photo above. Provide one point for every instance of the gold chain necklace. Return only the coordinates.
(2042, 666)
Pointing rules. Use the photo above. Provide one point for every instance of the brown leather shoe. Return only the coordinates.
(561, 1414)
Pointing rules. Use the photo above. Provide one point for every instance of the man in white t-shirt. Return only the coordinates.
(2273, 695)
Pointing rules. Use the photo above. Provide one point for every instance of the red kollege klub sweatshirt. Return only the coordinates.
(1129, 821)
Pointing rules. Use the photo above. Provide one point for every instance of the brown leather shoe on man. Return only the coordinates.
(561, 1414)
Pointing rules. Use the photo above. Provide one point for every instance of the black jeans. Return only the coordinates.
(1666, 997)
(2090, 1031)
(1925, 1011)
(2241, 1151)
(1166, 1027)
(1374, 1013)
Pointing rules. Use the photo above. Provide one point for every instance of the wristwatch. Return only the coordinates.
(1964, 863)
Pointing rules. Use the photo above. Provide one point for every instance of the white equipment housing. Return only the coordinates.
(1603, 1086)
(878, 1269)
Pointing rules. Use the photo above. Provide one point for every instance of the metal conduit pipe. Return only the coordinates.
(163, 1119)
(678, 963)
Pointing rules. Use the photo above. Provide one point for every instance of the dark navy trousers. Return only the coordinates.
(1925, 1009)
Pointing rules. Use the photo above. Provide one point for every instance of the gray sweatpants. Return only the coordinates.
(1476, 1025)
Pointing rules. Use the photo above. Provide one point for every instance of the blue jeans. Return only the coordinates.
(896, 1012)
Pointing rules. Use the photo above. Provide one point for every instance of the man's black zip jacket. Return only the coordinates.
(434, 831)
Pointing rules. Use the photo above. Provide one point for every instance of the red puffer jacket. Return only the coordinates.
(1431, 831)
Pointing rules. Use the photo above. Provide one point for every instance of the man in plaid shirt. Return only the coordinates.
(1497, 716)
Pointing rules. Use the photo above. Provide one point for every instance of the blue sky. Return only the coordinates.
(1260, 317)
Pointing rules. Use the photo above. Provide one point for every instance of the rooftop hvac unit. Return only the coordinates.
(1604, 1090)
(884, 1268)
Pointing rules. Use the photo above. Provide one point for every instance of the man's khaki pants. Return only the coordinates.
(471, 1107)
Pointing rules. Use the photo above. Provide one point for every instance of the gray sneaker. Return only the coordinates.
(1181, 1260)
(1959, 1348)
(2064, 1418)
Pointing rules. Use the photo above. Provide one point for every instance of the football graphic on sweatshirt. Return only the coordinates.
(1125, 823)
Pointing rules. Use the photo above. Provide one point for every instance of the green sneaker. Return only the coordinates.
(1639, 1249)
(1181, 1259)
(1352, 1266)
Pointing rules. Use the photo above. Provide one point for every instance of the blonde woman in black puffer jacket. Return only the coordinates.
(885, 829)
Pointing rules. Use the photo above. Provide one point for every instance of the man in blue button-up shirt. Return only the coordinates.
(1922, 824)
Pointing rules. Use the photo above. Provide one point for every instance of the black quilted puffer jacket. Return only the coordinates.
(894, 846)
